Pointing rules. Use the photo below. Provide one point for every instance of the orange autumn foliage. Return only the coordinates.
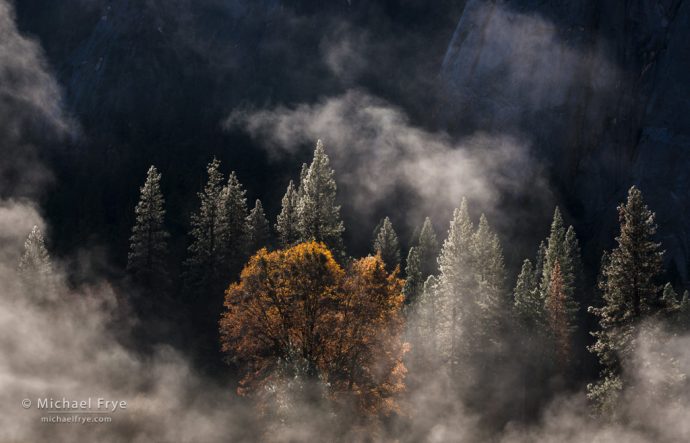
(346, 326)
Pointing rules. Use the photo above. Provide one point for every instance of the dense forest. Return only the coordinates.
(283, 220)
(304, 323)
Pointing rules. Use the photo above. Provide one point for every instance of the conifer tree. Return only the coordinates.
(287, 222)
(35, 266)
(235, 235)
(559, 318)
(148, 248)
(206, 262)
(527, 302)
(489, 266)
(629, 294)
(428, 249)
(431, 320)
(555, 250)
(386, 244)
(669, 297)
(319, 215)
(539, 264)
(683, 314)
(414, 282)
(563, 247)
(489, 304)
(259, 231)
(456, 286)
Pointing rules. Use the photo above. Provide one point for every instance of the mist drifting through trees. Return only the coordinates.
(378, 289)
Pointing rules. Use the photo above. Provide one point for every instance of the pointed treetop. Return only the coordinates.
(319, 214)
(35, 258)
(259, 229)
(287, 221)
(386, 244)
(414, 282)
(148, 242)
(428, 249)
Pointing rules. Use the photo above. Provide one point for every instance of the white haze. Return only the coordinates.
(375, 150)
(72, 346)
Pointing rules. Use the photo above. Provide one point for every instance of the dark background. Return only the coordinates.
(151, 82)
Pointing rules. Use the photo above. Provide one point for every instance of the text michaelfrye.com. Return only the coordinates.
(73, 411)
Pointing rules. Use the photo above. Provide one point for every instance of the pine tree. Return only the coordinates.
(539, 264)
(629, 295)
(456, 286)
(414, 282)
(489, 272)
(36, 268)
(258, 228)
(235, 235)
(527, 301)
(319, 215)
(148, 248)
(571, 270)
(206, 263)
(559, 318)
(669, 297)
(428, 249)
(386, 244)
(563, 247)
(287, 222)
(555, 250)
(430, 321)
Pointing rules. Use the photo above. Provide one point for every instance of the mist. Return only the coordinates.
(82, 338)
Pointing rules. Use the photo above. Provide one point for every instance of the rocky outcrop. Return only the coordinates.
(600, 87)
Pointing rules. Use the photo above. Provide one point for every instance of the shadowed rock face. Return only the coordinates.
(598, 86)
(602, 90)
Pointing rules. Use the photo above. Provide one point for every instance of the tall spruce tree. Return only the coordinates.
(430, 321)
(386, 244)
(236, 244)
(558, 318)
(148, 246)
(319, 215)
(206, 264)
(630, 294)
(456, 287)
(36, 268)
(287, 222)
(489, 267)
(555, 250)
(427, 245)
(539, 264)
(414, 284)
(562, 247)
(259, 231)
(527, 301)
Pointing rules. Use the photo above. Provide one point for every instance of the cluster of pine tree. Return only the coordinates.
(462, 317)
(224, 233)
(463, 320)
